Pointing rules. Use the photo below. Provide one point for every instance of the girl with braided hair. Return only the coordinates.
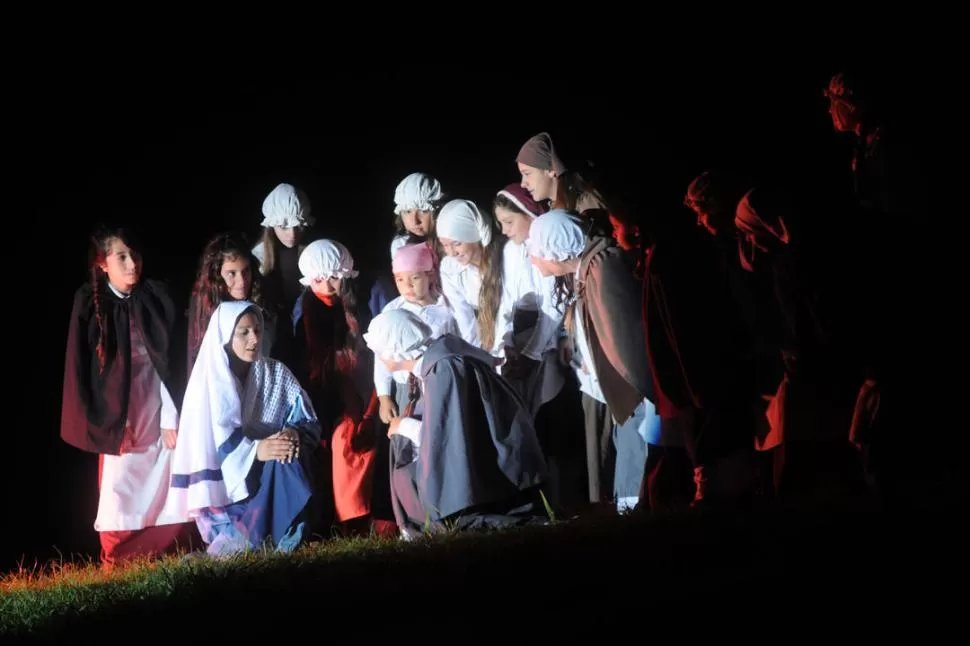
(118, 398)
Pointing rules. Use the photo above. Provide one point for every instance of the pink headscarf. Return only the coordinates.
(412, 257)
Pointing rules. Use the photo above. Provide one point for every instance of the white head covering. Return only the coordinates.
(287, 206)
(461, 221)
(556, 235)
(397, 243)
(211, 412)
(323, 259)
(417, 191)
(398, 335)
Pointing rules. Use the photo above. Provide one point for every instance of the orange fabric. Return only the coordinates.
(776, 420)
(354, 453)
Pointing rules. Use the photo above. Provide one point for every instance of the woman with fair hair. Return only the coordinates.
(471, 271)
(286, 217)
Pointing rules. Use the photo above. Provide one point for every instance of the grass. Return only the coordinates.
(560, 578)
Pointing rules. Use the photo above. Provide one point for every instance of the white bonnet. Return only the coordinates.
(324, 259)
(461, 221)
(287, 206)
(398, 335)
(556, 235)
(417, 191)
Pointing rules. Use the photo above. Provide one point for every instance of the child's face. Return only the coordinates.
(413, 285)
(515, 226)
(326, 288)
(238, 277)
(418, 222)
(466, 253)
(288, 236)
(122, 265)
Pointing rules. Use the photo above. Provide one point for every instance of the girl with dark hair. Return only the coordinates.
(337, 371)
(549, 179)
(226, 273)
(118, 399)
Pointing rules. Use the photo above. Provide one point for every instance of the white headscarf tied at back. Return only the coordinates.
(417, 191)
(461, 221)
(556, 235)
(287, 206)
(324, 259)
(211, 413)
(398, 335)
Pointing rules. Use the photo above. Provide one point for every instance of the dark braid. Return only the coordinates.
(564, 288)
(102, 331)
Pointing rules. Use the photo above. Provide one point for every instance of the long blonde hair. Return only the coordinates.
(490, 294)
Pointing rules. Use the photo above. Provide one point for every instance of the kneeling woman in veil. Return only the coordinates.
(238, 468)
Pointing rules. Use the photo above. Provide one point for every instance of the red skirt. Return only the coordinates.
(123, 545)
(354, 450)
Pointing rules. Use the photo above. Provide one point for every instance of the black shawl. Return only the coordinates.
(94, 408)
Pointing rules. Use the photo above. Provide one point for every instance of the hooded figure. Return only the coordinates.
(474, 457)
(239, 492)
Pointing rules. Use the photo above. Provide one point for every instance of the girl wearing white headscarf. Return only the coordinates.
(238, 467)
(471, 271)
(605, 346)
(337, 370)
(286, 217)
(417, 199)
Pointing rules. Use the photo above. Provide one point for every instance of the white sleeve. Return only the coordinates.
(462, 310)
(170, 413)
(382, 378)
(504, 316)
(549, 322)
(411, 429)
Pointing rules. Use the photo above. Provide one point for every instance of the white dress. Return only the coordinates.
(135, 484)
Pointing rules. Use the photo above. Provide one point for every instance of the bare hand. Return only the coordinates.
(394, 425)
(388, 409)
(293, 435)
(277, 447)
(169, 436)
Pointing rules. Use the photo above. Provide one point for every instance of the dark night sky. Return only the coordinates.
(186, 158)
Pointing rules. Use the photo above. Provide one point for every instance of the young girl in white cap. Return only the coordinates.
(286, 216)
(337, 370)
